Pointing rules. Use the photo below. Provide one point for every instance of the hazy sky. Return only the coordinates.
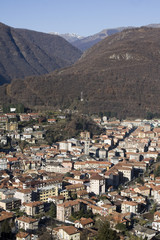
(84, 17)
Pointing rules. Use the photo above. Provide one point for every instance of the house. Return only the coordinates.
(116, 218)
(156, 225)
(24, 117)
(51, 120)
(56, 167)
(156, 193)
(84, 223)
(67, 232)
(34, 208)
(112, 178)
(10, 203)
(56, 199)
(143, 190)
(27, 223)
(127, 172)
(65, 194)
(129, 192)
(34, 115)
(23, 236)
(144, 232)
(82, 194)
(3, 118)
(97, 184)
(156, 216)
(5, 193)
(73, 188)
(95, 209)
(11, 126)
(38, 134)
(108, 208)
(7, 217)
(66, 209)
(24, 194)
(129, 206)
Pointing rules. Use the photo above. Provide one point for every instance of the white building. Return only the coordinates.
(129, 206)
(97, 184)
(27, 223)
(3, 163)
(24, 194)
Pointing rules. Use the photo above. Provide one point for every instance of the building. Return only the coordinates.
(56, 199)
(86, 146)
(66, 209)
(5, 193)
(82, 194)
(23, 236)
(156, 216)
(73, 188)
(27, 223)
(127, 173)
(34, 208)
(156, 225)
(65, 194)
(10, 203)
(67, 232)
(97, 184)
(129, 206)
(47, 191)
(24, 194)
(84, 223)
(7, 217)
(12, 126)
(3, 163)
(143, 190)
(143, 232)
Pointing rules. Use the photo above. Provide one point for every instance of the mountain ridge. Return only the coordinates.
(70, 37)
(120, 74)
(26, 53)
(84, 43)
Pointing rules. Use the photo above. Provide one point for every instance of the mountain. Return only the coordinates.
(87, 42)
(154, 25)
(84, 43)
(120, 74)
(26, 53)
(70, 37)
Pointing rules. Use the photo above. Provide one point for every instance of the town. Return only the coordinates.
(81, 187)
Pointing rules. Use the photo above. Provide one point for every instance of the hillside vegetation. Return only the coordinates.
(120, 74)
(26, 53)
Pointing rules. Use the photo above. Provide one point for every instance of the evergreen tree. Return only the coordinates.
(157, 172)
(52, 210)
(5, 230)
(105, 233)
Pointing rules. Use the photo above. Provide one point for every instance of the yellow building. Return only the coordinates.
(12, 126)
(46, 192)
(65, 194)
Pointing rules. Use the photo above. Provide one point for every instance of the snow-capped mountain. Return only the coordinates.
(70, 37)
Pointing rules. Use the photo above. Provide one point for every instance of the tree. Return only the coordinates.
(68, 174)
(140, 180)
(158, 159)
(105, 233)
(153, 210)
(121, 227)
(74, 196)
(149, 115)
(22, 144)
(5, 230)
(52, 210)
(157, 172)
